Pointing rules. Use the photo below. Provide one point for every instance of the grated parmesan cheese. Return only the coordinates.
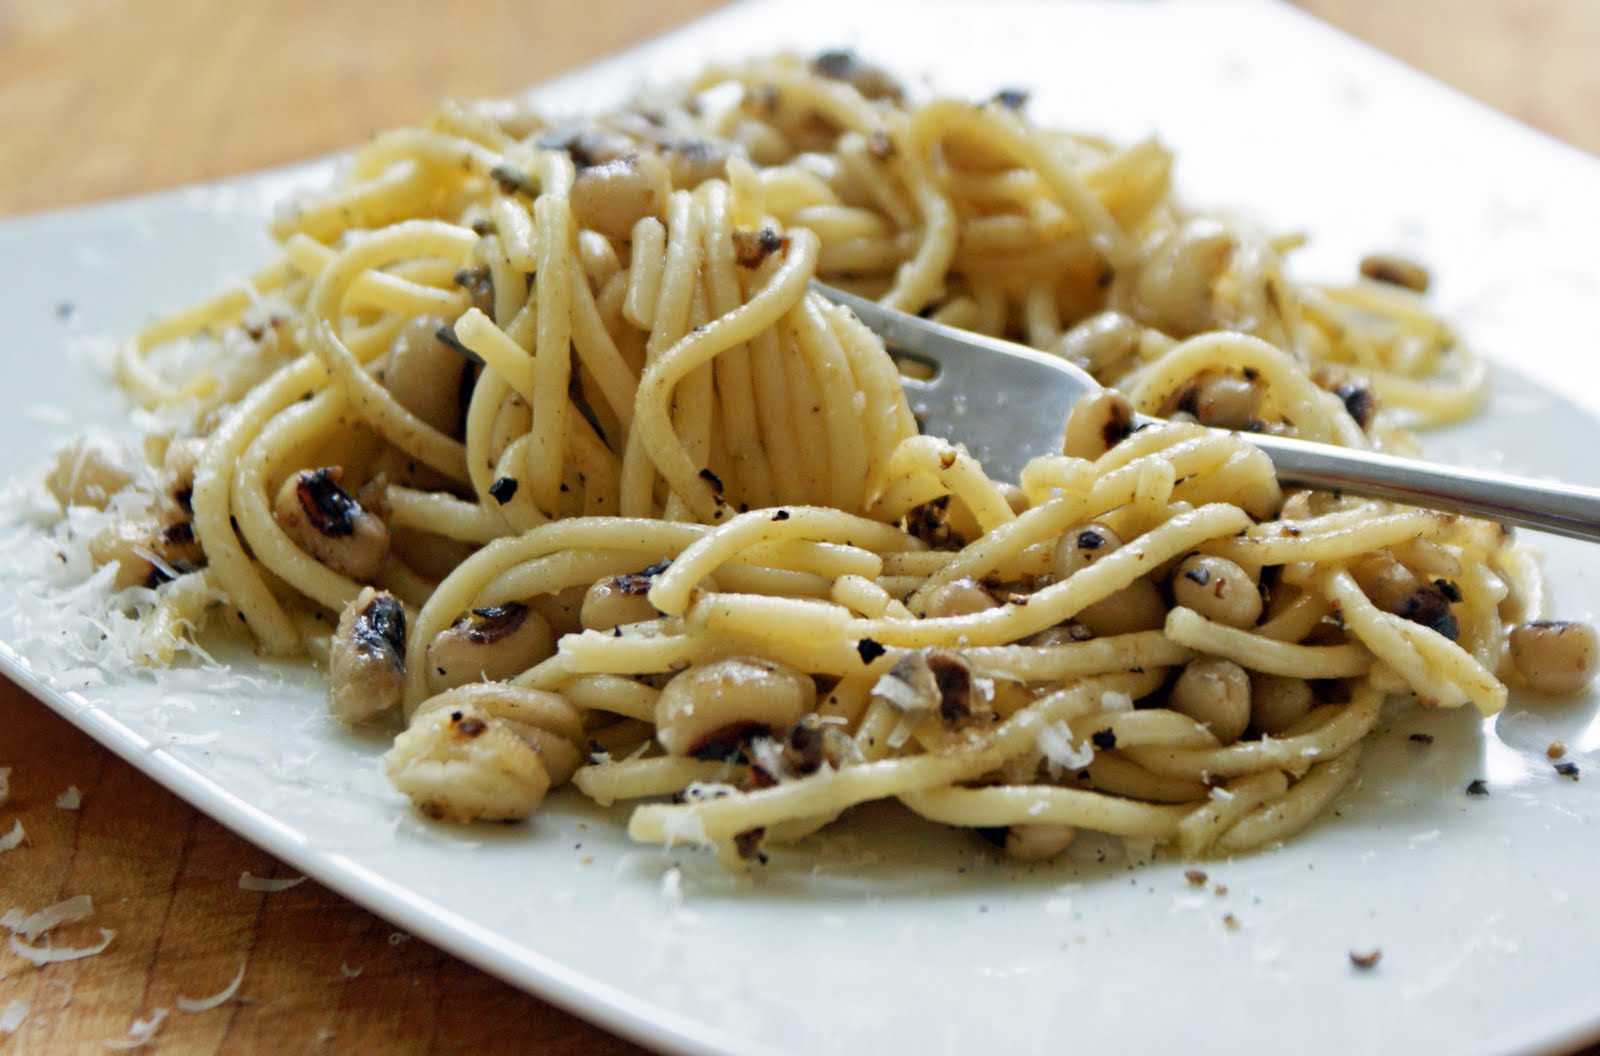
(897, 693)
(267, 884)
(1054, 741)
(13, 1016)
(65, 988)
(13, 839)
(140, 1032)
(206, 1004)
(5, 784)
(1427, 836)
(71, 799)
(672, 886)
(32, 925)
(1114, 700)
(55, 954)
(682, 826)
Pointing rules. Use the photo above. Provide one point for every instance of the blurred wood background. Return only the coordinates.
(110, 97)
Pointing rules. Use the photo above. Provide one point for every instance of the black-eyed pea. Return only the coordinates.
(457, 762)
(1217, 589)
(1555, 656)
(548, 721)
(1136, 607)
(611, 197)
(426, 376)
(1081, 546)
(710, 709)
(1277, 701)
(491, 644)
(1100, 342)
(366, 657)
(1037, 842)
(959, 597)
(1215, 693)
(327, 523)
(1175, 285)
(1226, 400)
(616, 601)
(1098, 423)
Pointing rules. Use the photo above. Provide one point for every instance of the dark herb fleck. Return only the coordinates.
(1421, 738)
(1568, 769)
(869, 650)
(1105, 739)
(512, 180)
(503, 489)
(1478, 787)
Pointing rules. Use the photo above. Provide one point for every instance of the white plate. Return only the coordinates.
(892, 936)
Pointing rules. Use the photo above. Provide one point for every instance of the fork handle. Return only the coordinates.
(1560, 508)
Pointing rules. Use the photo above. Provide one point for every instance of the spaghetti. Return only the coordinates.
(547, 422)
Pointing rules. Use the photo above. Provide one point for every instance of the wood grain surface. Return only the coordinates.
(108, 97)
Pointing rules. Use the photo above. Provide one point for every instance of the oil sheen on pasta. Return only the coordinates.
(534, 435)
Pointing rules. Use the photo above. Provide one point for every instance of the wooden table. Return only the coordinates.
(108, 97)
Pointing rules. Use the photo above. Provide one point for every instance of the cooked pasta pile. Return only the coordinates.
(534, 435)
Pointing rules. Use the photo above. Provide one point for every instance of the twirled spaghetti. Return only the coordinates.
(547, 420)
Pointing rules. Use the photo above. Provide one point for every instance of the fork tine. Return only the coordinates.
(1006, 403)
(1022, 398)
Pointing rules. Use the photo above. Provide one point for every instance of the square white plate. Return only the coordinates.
(890, 935)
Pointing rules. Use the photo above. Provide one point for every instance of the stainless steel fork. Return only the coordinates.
(1007, 403)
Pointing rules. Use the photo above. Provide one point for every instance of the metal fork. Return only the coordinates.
(1007, 403)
